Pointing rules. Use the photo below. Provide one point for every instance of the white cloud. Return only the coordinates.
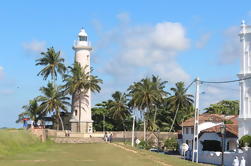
(203, 40)
(231, 47)
(146, 50)
(1, 73)
(131, 52)
(34, 47)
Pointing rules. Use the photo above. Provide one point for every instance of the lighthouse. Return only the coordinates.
(81, 120)
(245, 83)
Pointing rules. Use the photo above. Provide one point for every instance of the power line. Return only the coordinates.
(190, 85)
(222, 82)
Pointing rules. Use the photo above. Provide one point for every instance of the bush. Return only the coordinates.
(246, 139)
(171, 144)
(145, 145)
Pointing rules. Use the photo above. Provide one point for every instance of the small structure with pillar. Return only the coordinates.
(81, 120)
(245, 83)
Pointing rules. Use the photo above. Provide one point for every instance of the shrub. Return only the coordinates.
(145, 145)
(171, 144)
(246, 139)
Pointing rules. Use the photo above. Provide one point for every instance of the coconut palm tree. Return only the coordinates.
(53, 100)
(146, 94)
(119, 108)
(53, 64)
(179, 100)
(31, 111)
(79, 82)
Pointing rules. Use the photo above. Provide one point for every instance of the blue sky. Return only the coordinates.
(177, 40)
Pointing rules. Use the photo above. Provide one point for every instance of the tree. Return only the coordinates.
(179, 100)
(79, 82)
(53, 100)
(31, 111)
(53, 64)
(146, 94)
(119, 107)
(101, 117)
(227, 107)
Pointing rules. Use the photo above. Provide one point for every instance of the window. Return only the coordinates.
(76, 112)
(187, 130)
(192, 130)
(82, 38)
(211, 145)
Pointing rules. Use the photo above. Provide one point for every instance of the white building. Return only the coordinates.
(209, 133)
(81, 118)
(245, 85)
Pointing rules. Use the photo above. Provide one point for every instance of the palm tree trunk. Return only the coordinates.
(144, 128)
(174, 118)
(62, 124)
(57, 123)
(79, 111)
(155, 114)
(124, 132)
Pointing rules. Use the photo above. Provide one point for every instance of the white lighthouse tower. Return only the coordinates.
(81, 119)
(245, 85)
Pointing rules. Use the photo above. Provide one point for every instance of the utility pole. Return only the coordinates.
(196, 122)
(133, 126)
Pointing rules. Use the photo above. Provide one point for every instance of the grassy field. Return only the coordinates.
(17, 141)
(17, 151)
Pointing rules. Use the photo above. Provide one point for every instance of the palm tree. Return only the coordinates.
(146, 94)
(179, 100)
(31, 111)
(159, 85)
(79, 82)
(53, 64)
(119, 108)
(54, 100)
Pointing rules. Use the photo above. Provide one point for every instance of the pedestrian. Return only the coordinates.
(105, 137)
(110, 137)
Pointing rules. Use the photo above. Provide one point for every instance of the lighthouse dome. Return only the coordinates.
(82, 32)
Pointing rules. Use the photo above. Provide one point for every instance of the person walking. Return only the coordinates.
(110, 137)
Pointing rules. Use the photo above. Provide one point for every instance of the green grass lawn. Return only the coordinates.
(18, 152)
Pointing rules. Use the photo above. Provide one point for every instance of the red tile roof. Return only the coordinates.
(203, 118)
(231, 130)
(210, 118)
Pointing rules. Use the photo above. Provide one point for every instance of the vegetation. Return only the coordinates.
(180, 100)
(171, 144)
(53, 63)
(76, 154)
(245, 140)
(226, 107)
(31, 111)
(150, 97)
(53, 101)
(14, 141)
